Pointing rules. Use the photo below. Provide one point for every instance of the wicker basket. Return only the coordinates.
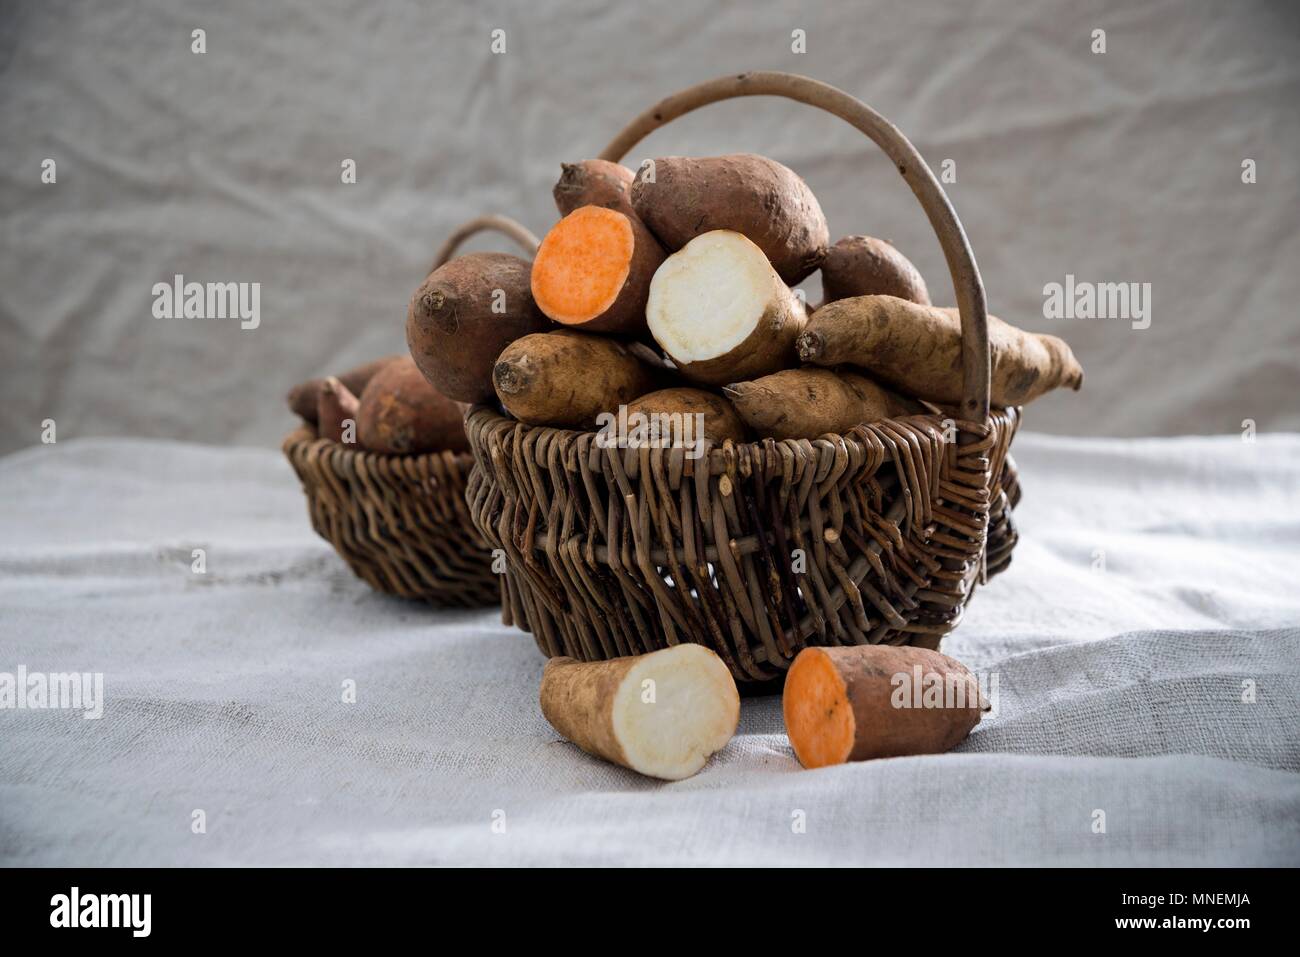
(760, 549)
(399, 521)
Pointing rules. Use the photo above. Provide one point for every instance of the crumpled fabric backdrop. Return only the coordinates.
(1125, 636)
(1115, 167)
(1120, 689)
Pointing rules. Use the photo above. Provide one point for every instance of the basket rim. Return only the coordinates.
(305, 439)
(720, 457)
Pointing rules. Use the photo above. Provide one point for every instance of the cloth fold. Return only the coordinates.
(1145, 644)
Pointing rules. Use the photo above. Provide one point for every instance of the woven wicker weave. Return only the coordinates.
(616, 552)
(399, 521)
(761, 549)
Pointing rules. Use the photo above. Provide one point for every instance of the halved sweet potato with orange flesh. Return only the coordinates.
(876, 701)
(593, 270)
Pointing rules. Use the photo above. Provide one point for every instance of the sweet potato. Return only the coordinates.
(863, 266)
(720, 311)
(594, 182)
(566, 379)
(302, 398)
(662, 714)
(876, 701)
(749, 194)
(720, 419)
(464, 314)
(402, 414)
(917, 350)
(593, 270)
(807, 403)
(336, 412)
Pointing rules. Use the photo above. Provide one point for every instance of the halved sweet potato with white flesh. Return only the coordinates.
(721, 313)
(661, 714)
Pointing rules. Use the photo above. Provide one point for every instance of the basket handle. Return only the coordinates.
(501, 224)
(943, 218)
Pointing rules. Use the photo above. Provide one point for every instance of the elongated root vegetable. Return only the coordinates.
(681, 404)
(303, 397)
(749, 194)
(917, 349)
(807, 403)
(863, 266)
(661, 714)
(593, 270)
(402, 414)
(594, 182)
(876, 701)
(464, 314)
(720, 311)
(336, 406)
(566, 379)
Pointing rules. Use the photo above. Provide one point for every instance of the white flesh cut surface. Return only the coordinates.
(708, 296)
(694, 711)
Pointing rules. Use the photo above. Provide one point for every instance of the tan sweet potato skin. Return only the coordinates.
(865, 266)
(917, 350)
(453, 333)
(335, 406)
(721, 421)
(566, 379)
(810, 402)
(577, 699)
(750, 194)
(884, 731)
(594, 182)
(302, 398)
(402, 414)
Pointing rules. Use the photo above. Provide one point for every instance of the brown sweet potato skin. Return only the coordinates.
(627, 315)
(302, 398)
(566, 379)
(865, 266)
(886, 731)
(594, 182)
(810, 402)
(402, 414)
(882, 730)
(451, 328)
(917, 350)
(750, 194)
(721, 421)
(335, 406)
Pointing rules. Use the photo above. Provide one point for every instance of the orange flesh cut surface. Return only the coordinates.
(582, 264)
(818, 717)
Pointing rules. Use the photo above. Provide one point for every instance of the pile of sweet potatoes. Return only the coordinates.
(384, 406)
(671, 289)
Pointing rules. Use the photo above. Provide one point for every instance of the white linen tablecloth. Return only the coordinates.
(1154, 581)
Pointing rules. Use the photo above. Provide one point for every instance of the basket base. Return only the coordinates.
(399, 521)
